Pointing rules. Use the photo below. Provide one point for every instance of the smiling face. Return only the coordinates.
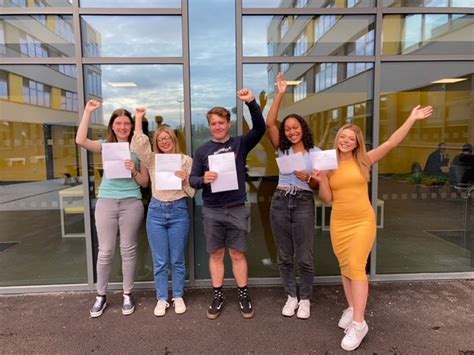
(347, 141)
(219, 127)
(293, 130)
(122, 127)
(165, 143)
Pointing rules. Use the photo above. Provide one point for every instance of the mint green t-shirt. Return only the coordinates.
(120, 189)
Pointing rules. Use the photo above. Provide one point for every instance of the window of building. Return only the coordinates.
(36, 93)
(284, 27)
(3, 85)
(69, 101)
(301, 45)
(300, 91)
(326, 76)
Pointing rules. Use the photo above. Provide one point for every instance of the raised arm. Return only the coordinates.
(418, 113)
(272, 128)
(81, 136)
(140, 142)
(252, 137)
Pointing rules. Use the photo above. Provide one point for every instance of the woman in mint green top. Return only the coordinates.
(119, 210)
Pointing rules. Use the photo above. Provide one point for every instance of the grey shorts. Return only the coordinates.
(226, 227)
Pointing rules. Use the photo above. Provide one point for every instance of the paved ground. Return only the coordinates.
(404, 318)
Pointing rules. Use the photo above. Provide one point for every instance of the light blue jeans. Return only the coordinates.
(167, 227)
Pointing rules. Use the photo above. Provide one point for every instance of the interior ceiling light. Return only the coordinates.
(448, 80)
(123, 84)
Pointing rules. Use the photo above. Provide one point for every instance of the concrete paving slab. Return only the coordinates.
(433, 317)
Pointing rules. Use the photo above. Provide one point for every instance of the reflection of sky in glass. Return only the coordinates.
(212, 56)
(134, 3)
(134, 36)
(255, 35)
(159, 89)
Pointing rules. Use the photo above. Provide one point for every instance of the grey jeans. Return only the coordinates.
(293, 223)
(117, 218)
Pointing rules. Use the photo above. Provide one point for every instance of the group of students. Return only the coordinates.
(225, 216)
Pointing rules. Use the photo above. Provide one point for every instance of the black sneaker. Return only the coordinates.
(246, 308)
(215, 308)
(98, 307)
(128, 306)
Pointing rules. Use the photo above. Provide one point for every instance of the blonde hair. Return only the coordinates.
(359, 153)
(170, 132)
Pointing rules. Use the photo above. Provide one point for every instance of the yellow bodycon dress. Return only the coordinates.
(353, 227)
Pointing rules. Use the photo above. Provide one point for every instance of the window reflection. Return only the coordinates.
(428, 3)
(128, 4)
(35, 3)
(308, 35)
(100, 39)
(438, 242)
(38, 36)
(428, 34)
(306, 3)
(40, 176)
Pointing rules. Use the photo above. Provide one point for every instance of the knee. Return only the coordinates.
(105, 256)
(237, 256)
(218, 255)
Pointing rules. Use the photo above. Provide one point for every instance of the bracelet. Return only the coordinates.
(309, 179)
(135, 174)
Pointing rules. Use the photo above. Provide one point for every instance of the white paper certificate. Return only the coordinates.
(290, 163)
(324, 159)
(224, 166)
(113, 160)
(165, 167)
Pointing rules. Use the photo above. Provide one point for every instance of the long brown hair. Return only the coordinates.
(111, 137)
(170, 132)
(359, 153)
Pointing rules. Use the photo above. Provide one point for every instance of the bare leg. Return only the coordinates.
(360, 293)
(347, 285)
(239, 267)
(216, 267)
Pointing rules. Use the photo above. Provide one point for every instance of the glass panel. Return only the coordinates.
(306, 3)
(327, 95)
(134, 4)
(100, 37)
(36, 36)
(158, 88)
(308, 35)
(428, 3)
(36, 3)
(428, 34)
(40, 177)
(430, 170)
(213, 83)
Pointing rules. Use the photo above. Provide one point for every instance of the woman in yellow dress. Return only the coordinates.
(353, 225)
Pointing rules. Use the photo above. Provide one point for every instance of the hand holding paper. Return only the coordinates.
(224, 166)
(324, 160)
(290, 163)
(114, 156)
(166, 166)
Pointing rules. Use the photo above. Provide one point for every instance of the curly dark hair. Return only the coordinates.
(285, 143)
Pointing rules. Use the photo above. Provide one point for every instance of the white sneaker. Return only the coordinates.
(290, 306)
(160, 309)
(303, 309)
(355, 333)
(179, 306)
(346, 318)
